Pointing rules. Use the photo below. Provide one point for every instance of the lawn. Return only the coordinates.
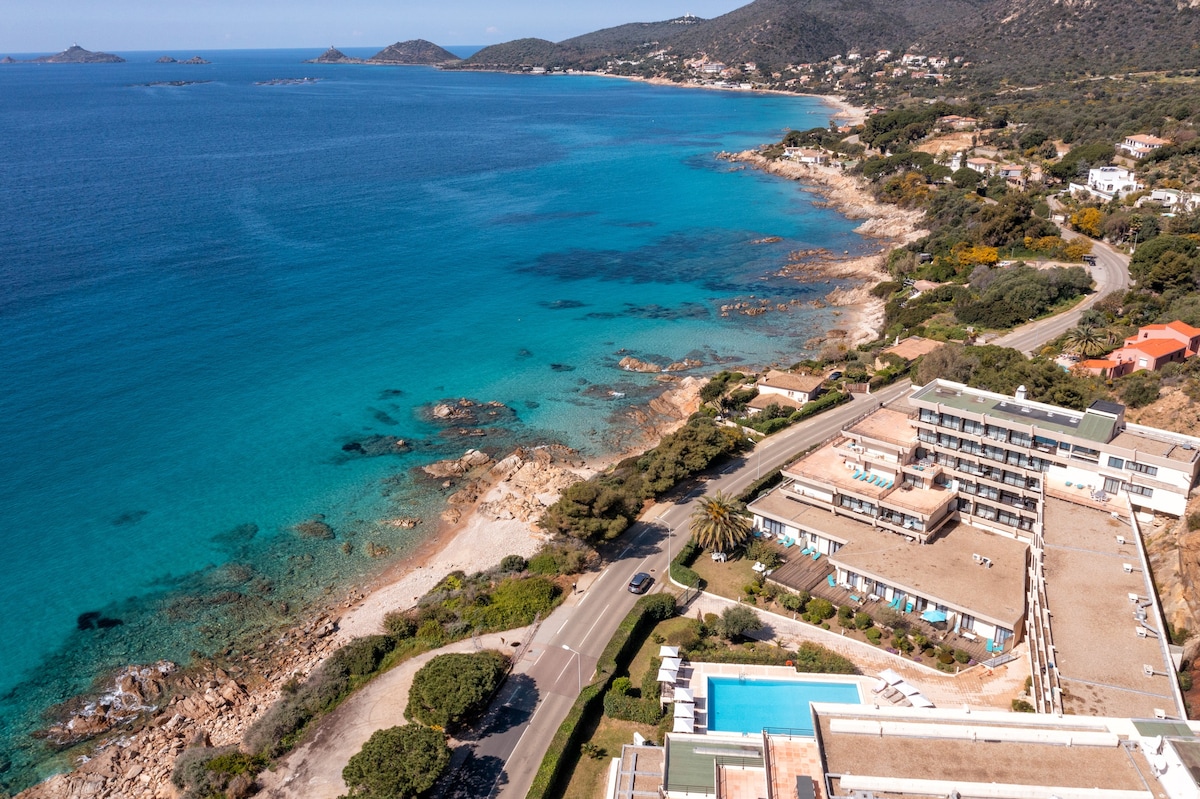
(724, 579)
(591, 774)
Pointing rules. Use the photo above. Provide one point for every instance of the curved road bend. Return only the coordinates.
(502, 759)
(1111, 273)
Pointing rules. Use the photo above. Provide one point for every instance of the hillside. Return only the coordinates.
(521, 53)
(414, 51)
(1026, 41)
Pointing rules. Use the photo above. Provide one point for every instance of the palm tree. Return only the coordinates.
(1088, 340)
(720, 523)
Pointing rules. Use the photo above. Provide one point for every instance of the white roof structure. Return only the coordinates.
(684, 711)
(684, 694)
(667, 675)
(672, 663)
(684, 725)
(668, 651)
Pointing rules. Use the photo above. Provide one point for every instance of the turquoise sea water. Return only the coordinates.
(750, 705)
(207, 290)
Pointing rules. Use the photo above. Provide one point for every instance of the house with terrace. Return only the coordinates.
(1152, 348)
(785, 389)
(1141, 145)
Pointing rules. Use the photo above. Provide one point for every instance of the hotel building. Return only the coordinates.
(931, 504)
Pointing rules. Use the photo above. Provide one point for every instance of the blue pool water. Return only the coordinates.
(749, 705)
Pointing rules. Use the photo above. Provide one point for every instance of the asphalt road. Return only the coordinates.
(505, 754)
(1111, 273)
(503, 759)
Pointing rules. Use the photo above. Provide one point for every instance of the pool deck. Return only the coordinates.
(695, 676)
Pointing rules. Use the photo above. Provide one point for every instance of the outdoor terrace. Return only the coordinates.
(1158, 443)
(887, 425)
(835, 465)
(1098, 653)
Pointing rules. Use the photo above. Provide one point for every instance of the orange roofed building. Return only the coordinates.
(1152, 348)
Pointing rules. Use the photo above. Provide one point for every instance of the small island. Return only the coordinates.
(193, 60)
(76, 55)
(415, 52)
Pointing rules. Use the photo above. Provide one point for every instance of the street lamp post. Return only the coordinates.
(578, 668)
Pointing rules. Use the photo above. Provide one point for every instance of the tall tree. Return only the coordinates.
(397, 763)
(720, 522)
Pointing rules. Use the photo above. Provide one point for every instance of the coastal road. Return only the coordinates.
(509, 748)
(1111, 273)
(503, 759)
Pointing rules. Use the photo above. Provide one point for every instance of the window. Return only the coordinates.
(953, 422)
(1115, 463)
(1112, 485)
(774, 527)
(912, 480)
(1044, 444)
(928, 416)
(974, 428)
(997, 433)
(1149, 471)
(1020, 439)
(1085, 454)
(1139, 490)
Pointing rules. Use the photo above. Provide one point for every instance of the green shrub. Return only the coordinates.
(400, 625)
(792, 602)
(621, 686)
(431, 631)
(397, 763)
(738, 620)
(202, 772)
(628, 708)
(361, 656)
(961, 656)
(874, 635)
(453, 687)
(686, 638)
(819, 609)
(1185, 681)
(514, 603)
(863, 621)
(1021, 706)
(513, 563)
(1193, 522)
(679, 570)
(560, 557)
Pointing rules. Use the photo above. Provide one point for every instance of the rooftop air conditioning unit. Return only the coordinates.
(1121, 540)
(1128, 567)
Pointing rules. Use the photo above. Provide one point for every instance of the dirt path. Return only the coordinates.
(314, 769)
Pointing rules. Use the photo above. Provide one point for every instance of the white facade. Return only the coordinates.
(1109, 182)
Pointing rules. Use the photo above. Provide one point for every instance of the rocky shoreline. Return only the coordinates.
(153, 712)
(890, 225)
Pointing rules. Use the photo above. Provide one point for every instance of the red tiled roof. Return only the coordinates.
(1185, 329)
(1098, 363)
(1157, 347)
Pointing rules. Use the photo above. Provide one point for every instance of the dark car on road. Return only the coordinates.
(640, 583)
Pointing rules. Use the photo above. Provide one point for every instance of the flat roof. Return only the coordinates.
(1184, 449)
(886, 425)
(917, 757)
(943, 570)
(691, 759)
(1035, 414)
(1099, 655)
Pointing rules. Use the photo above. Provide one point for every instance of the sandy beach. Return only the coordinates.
(494, 515)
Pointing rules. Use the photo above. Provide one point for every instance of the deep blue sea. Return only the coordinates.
(207, 290)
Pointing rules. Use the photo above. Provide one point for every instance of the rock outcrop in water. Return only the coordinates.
(333, 56)
(77, 55)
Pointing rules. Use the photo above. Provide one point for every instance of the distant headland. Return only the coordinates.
(416, 52)
(72, 55)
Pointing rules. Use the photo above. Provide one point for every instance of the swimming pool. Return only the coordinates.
(737, 704)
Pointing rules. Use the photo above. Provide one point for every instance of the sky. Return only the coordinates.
(35, 26)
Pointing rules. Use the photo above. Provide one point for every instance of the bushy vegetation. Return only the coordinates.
(604, 506)
(207, 773)
(774, 418)
(454, 687)
(397, 763)
(1002, 370)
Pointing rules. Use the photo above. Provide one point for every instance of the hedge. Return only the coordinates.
(679, 570)
(564, 747)
(629, 708)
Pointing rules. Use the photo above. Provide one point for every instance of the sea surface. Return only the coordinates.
(208, 290)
